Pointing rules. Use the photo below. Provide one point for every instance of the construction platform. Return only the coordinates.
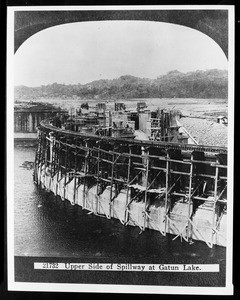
(177, 189)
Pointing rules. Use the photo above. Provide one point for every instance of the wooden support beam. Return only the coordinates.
(218, 223)
(219, 166)
(180, 233)
(206, 162)
(84, 178)
(69, 180)
(58, 166)
(105, 179)
(204, 175)
(132, 199)
(148, 187)
(180, 161)
(180, 173)
(134, 178)
(45, 160)
(114, 152)
(128, 188)
(142, 169)
(68, 145)
(75, 177)
(166, 195)
(179, 194)
(36, 161)
(168, 192)
(197, 187)
(202, 199)
(215, 202)
(106, 160)
(158, 168)
(102, 150)
(55, 157)
(111, 188)
(189, 231)
(98, 181)
(223, 190)
(222, 201)
(157, 157)
(51, 161)
(119, 180)
(65, 173)
(137, 163)
(145, 193)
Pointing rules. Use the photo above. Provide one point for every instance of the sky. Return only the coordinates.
(86, 51)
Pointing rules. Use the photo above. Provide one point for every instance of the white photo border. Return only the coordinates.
(106, 288)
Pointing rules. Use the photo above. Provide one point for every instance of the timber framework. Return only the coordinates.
(177, 189)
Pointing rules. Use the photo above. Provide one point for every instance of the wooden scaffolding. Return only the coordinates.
(149, 172)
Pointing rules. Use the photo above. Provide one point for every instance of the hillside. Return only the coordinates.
(198, 84)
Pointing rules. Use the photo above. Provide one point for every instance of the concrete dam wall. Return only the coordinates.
(176, 189)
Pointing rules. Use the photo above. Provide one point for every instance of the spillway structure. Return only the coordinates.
(173, 188)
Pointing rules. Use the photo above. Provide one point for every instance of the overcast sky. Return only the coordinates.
(83, 52)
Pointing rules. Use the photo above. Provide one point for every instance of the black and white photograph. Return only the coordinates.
(120, 149)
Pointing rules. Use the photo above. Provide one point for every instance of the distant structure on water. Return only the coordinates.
(27, 119)
(158, 125)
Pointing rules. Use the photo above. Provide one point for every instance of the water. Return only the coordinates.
(46, 226)
(188, 106)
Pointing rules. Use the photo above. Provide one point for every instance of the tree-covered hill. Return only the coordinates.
(198, 84)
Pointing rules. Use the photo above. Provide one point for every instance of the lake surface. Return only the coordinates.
(210, 108)
(46, 226)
